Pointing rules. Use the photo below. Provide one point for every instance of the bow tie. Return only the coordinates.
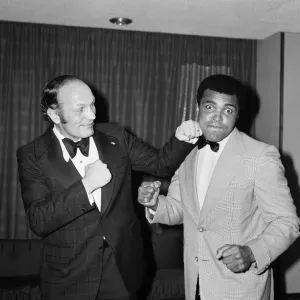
(72, 146)
(202, 142)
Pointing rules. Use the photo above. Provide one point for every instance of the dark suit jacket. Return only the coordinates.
(58, 209)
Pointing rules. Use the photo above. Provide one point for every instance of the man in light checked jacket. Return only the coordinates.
(233, 199)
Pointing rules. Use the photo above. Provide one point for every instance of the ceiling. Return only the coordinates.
(251, 19)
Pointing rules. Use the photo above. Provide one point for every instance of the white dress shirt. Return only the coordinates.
(206, 163)
(80, 161)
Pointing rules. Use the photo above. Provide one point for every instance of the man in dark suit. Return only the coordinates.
(76, 189)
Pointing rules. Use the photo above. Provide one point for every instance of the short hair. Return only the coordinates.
(223, 84)
(49, 97)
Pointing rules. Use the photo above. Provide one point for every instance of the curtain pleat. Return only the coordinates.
(147, 81)
(26, 292)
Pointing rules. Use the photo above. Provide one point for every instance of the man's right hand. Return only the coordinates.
(96, 176)
(148, 194)
(188, 131)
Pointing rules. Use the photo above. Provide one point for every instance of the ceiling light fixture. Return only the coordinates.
(120, 21)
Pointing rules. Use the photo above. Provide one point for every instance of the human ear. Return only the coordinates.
(53, 115)
(197, 112)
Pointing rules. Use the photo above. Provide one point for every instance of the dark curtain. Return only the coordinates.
(144, 81)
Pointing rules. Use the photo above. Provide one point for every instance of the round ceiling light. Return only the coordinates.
(120, 21)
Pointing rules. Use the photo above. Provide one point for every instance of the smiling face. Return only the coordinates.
(217, 115)
(76, 118)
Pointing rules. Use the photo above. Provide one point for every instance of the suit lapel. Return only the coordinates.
(223, 173)
(191, 185)
(50, 155)
(49, 151)
(107, 149)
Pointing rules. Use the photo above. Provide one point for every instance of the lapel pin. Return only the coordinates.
(113, 143)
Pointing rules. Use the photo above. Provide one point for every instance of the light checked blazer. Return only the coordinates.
(248, 203)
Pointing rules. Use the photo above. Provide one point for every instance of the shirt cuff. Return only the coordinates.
(91, 199)
(253, 267)
(150, 212)
(193, 141)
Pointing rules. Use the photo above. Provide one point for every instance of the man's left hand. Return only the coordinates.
(188, 131)
(237, 258)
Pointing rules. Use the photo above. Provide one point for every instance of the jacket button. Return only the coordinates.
(104, 243)
(201, 229)
(196, 258)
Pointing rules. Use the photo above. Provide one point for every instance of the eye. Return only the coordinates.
(228, 111)
(208, 106)
(80, 109)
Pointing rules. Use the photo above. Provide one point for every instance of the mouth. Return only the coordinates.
(89, 125)
(215, 126)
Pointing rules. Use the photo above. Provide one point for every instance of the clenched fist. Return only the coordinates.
(96, 176)
(188, 131)
(148, 193)
(235, 257)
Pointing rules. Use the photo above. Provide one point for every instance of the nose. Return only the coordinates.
(218, 116)
(91, 114)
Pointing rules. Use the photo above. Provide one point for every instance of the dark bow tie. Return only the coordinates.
(72, 146)
(214, 146)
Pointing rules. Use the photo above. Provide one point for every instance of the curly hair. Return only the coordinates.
(223, 84)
